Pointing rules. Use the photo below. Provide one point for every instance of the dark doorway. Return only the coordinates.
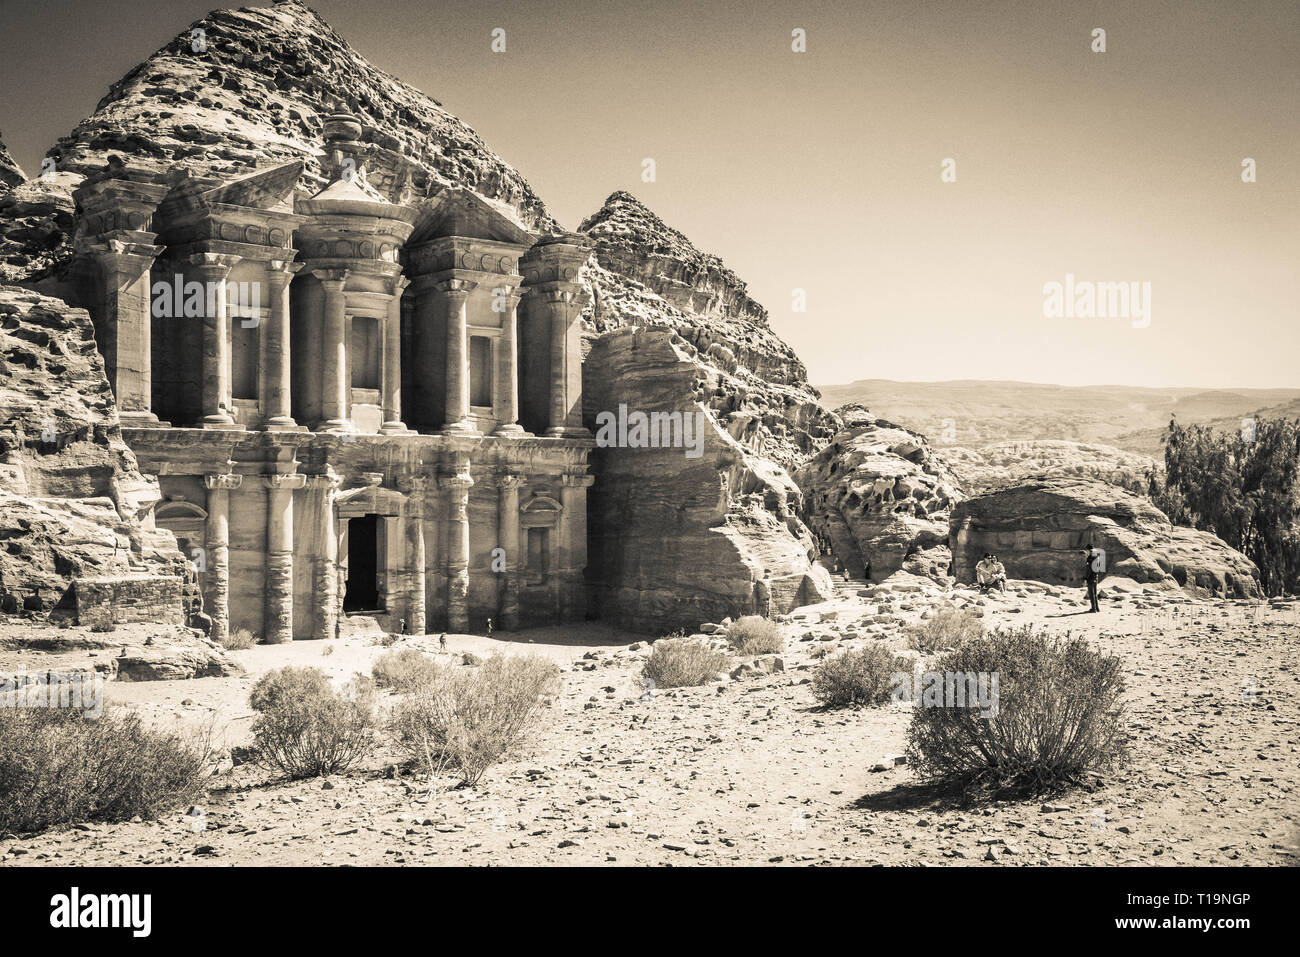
(363, 564)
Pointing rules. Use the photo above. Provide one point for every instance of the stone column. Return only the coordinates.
(454, 294)
(392, 398)
(212, 270)
(279, 556)
(415, 489)
(277, 405)
(457, 546)
(335, 387)
(507, 377)
(508, 486)
(325, 584)
(217, 598)
(573, 546)
(125, 319)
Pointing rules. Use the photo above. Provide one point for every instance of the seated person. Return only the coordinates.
(997, 575)
(984, 572)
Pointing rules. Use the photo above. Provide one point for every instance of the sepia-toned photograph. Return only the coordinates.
(581, 433)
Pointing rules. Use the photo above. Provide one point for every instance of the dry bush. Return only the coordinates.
(681, 662)
(239, 639)
(1058, 718)
(404, 670)
(858, 678)
(61, 766)
(948, 627)
(305, 727)
(470, 718)
(755, 635)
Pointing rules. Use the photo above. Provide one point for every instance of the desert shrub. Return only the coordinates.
(755, 635)
(680, 662)
(239, 639)
(305, 727)
(1057, 719)
(61, 766)
(859, 678)
(948, 627)
(467, 719)
(404, 670)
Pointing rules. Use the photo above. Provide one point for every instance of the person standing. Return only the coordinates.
(489, 627)
(1090, 577)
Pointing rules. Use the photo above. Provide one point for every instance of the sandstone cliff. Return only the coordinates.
(73, 503)
(877, 492)
(1039, 527)
(677, 540)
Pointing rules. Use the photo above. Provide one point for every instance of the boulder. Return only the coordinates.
(877, 493)
(1038, 529)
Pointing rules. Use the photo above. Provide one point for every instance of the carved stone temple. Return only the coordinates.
(353, 406)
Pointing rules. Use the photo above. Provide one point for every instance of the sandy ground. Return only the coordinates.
(751, 771)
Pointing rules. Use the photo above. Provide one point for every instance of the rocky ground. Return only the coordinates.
(750, 770)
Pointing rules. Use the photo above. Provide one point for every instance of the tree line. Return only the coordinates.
(1243, 487)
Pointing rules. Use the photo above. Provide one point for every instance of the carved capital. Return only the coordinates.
(280, 272)
(292, 480)
(509, 480)
(222, 480)
(331, 274)
(556, 295)
(214, 267)
(455, 289)
(578, 481)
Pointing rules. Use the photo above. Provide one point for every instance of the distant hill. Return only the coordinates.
(975, 414)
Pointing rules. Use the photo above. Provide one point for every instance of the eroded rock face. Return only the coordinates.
(645, 273)
(73, 502)
(11, 173)
(1039, 527)
(877, 492)
(250, 88)
(677, 539)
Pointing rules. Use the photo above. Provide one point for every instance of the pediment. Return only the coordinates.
(465, 214)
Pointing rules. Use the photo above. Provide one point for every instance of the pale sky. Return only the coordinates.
(821, 171)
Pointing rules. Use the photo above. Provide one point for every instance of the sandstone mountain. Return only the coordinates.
(879, 494)
(247, 88)
(645, 273)
(74, 507)
(1039, 527)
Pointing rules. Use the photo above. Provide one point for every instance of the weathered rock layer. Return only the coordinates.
(1039, 527)
(73, 503)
